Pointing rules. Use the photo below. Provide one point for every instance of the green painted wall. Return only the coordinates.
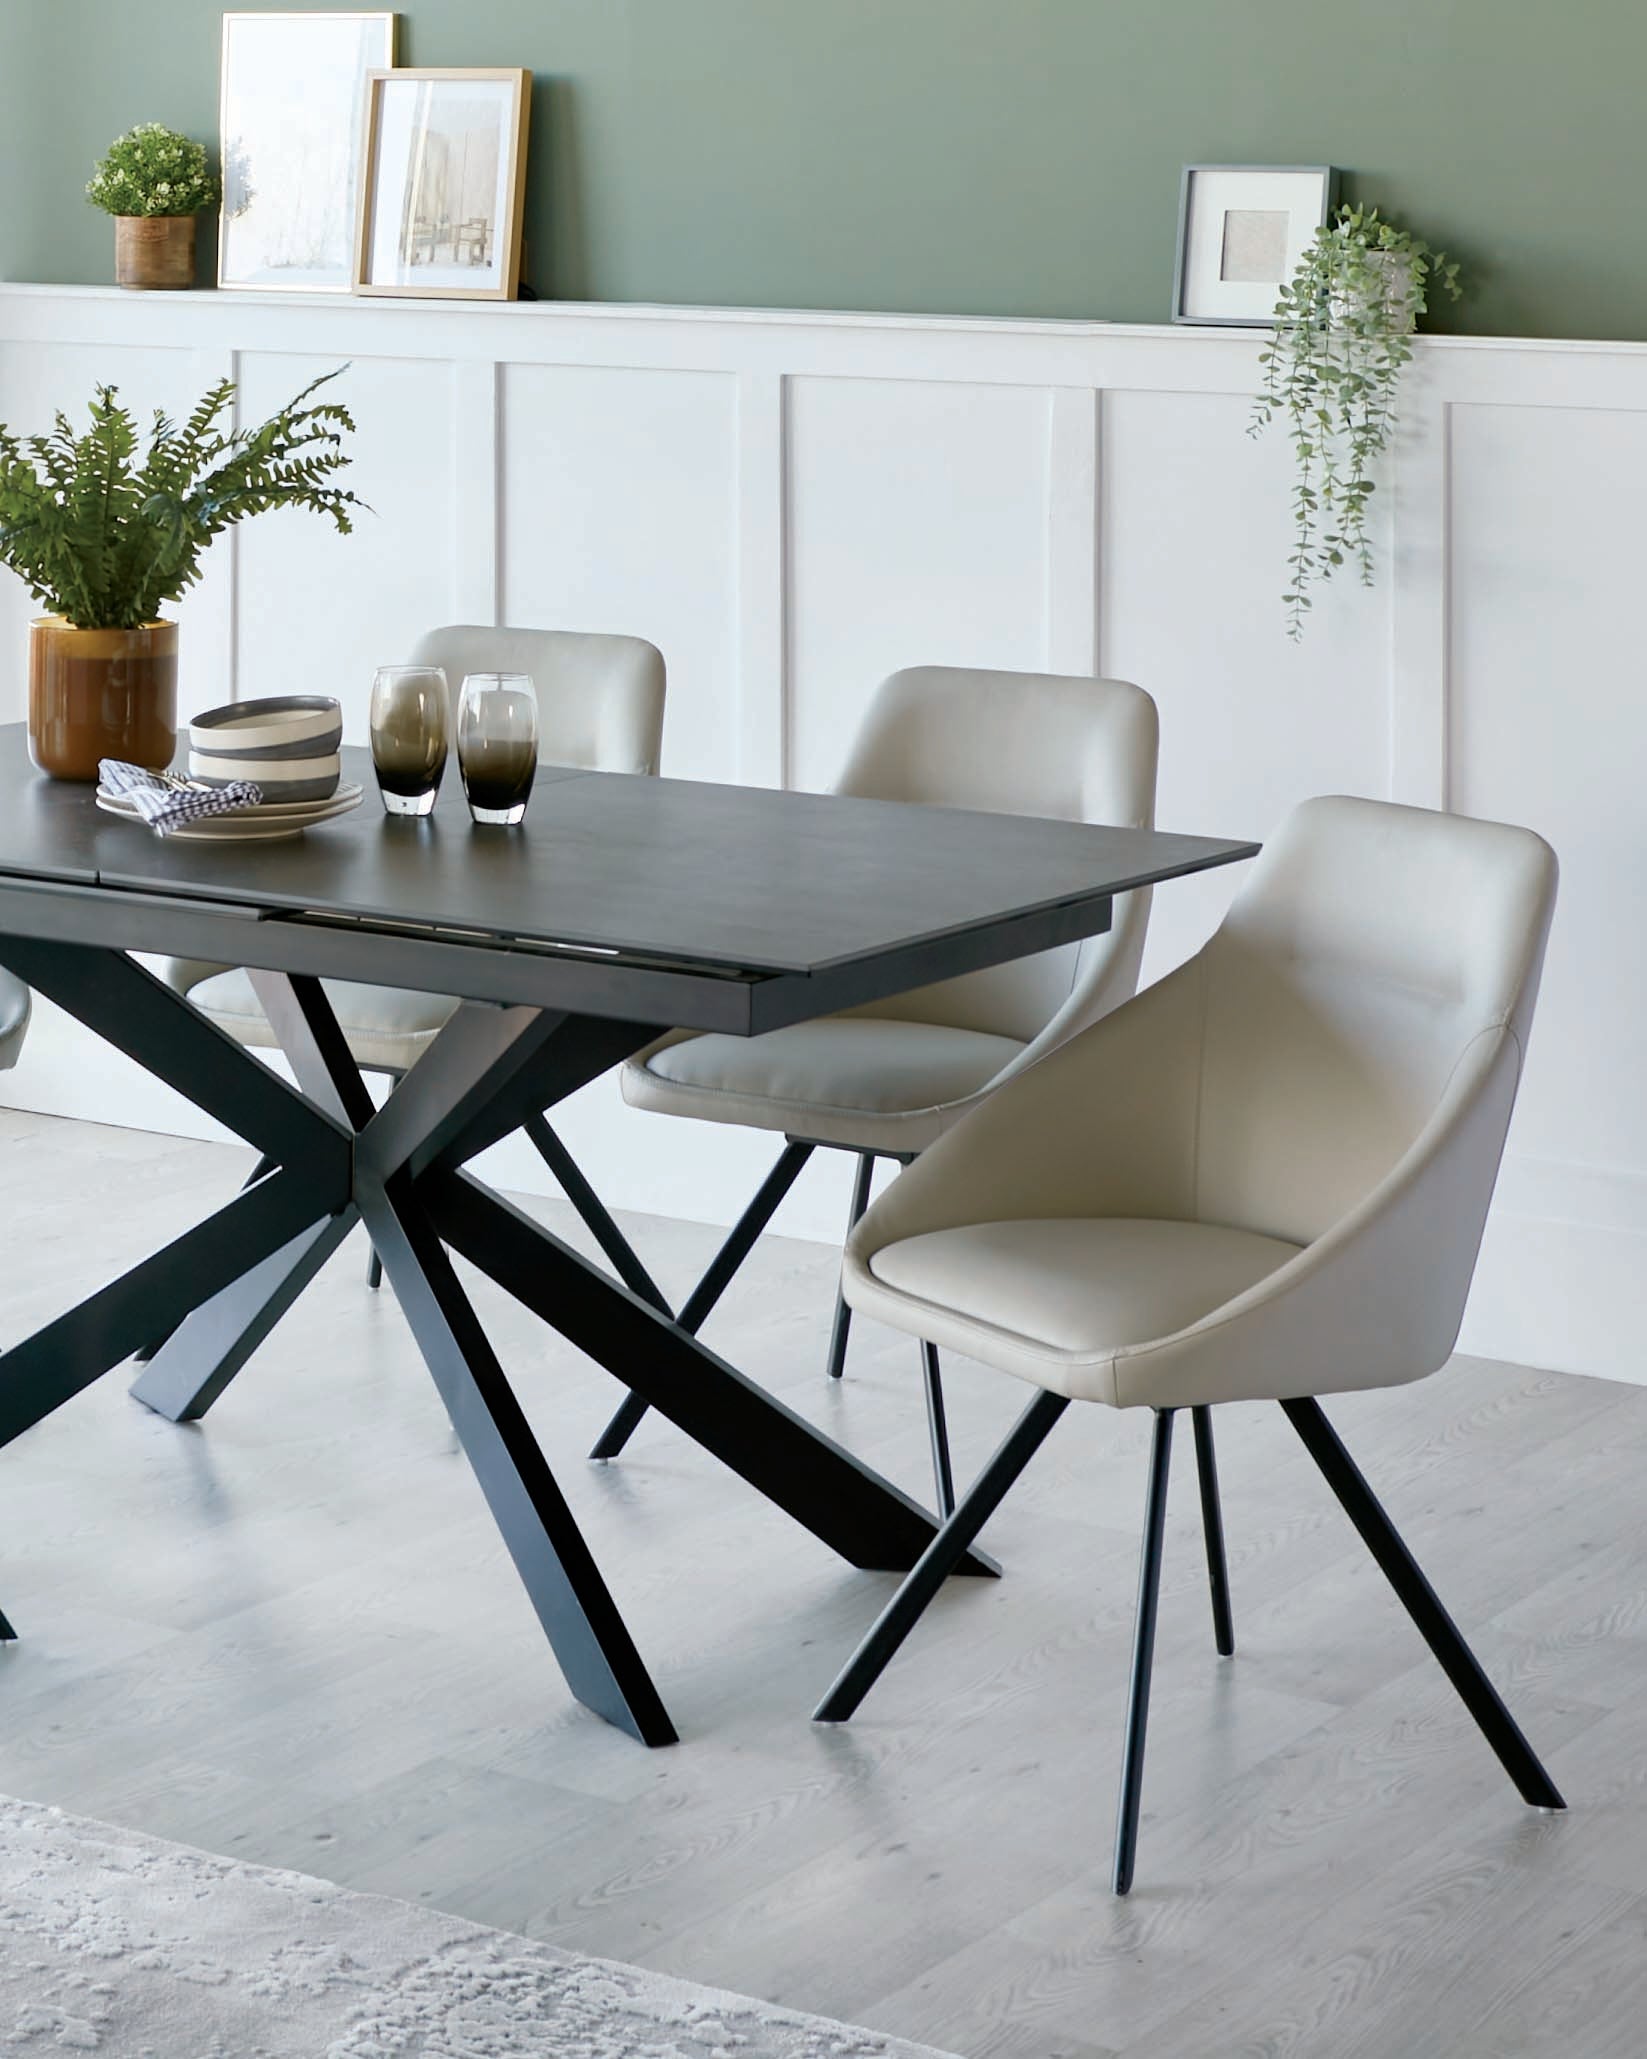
(964, 156)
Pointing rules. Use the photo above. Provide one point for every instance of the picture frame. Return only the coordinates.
(442, 183)
(291, 104)
(1242, 229)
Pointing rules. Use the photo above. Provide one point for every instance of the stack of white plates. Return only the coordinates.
(263, 823)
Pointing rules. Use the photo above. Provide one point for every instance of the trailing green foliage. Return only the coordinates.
(1343, 335)
(106, 541)
(153, 170)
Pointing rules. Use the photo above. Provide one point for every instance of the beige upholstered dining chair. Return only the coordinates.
(16, 1005)
(1265, 1178)
(600, 706)
(886, 1080)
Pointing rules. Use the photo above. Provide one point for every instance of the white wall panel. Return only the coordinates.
(792, 505)
(1548, 726)
(917, 535)
(317, 612)
(1194, 528)
(619, 504)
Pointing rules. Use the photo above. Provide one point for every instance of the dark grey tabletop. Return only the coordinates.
(718, 880)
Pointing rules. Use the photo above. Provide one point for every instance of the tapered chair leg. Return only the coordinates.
(1212, 1525)
(739, 1243)
(939, 1560)
(7, 1634)
(861, 1183)
(943, 1477)
(1143, 1654)
(374, 1269)
(1420, 1601)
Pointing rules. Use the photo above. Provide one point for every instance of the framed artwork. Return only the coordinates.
(1242, 229)
(294, 94)
(442, 178)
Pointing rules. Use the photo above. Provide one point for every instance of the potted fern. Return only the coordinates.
(106, 538)
(1343, 336)
(154, 182)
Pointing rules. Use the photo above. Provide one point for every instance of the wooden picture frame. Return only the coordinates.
(442, 183)
(290, 104)
(1285, 204)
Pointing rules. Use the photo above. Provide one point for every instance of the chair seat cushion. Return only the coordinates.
(1060, 1302)
(386, 1028)
(857, 1080)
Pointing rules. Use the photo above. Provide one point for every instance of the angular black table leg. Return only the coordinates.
(264, 1166)
(941, 1558)
(51, 1367)
(626, 1419)
(574, 1605)
(199, 1359)
(739, 1241)
(7, 1634)
(843, 1502)
(621, 1255)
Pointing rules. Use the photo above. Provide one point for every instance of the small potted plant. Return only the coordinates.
(154, 182)
(1343, 335)
(105, 540)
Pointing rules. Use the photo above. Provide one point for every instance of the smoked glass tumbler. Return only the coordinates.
(411, 733)
(497, 744)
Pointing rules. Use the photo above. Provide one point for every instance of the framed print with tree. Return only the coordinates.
(1242, 229)
(294, 94)
(442, 178)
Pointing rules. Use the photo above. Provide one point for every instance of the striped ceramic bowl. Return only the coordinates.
(288, 743)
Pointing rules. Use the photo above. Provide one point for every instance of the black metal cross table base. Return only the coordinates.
(332, 1159)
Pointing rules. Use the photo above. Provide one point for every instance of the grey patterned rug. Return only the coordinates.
(120, 1945)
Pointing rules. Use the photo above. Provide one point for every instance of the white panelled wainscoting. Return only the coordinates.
(793, 505)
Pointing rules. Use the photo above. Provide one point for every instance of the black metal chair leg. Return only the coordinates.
(739, 1243)
(861, 1182)
(1212, 1525)
(943, 1477)
(374, 1270)
(7, 1634)
(1420, 1601)
(1143, 1654)
(939, 1560)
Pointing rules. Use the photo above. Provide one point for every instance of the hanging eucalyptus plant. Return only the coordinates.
(1343, 336)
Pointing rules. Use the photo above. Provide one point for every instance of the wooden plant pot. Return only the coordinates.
(154, 251)
(101, 693)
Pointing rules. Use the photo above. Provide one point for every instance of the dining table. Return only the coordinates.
(621, 909)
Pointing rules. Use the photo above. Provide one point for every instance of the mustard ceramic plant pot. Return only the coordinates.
(101, 693)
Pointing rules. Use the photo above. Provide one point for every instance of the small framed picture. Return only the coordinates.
(292, 98)
(1242, 229)
(442, 176)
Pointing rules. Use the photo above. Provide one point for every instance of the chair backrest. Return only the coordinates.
(1023, 743)
(1374, 955)
(600, 698)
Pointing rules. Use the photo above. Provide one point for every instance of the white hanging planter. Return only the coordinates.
(1387, 294)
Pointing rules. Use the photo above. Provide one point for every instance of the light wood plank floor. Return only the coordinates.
(291, 1635)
